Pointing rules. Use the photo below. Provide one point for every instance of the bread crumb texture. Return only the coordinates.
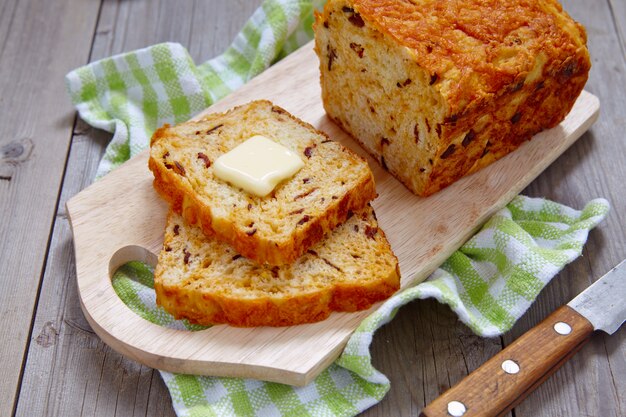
(436, 90)
(205, 281)
(280, 227)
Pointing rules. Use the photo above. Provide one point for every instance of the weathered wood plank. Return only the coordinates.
(69, 371)
(7, 14)
(618, 7)
(424, 351)
(593, 382)
(34, 139)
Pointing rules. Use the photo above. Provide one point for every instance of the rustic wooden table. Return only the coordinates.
(52, 362)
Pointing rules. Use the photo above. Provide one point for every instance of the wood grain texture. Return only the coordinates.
(109, 232)
(34, 140)
(423, 352)
(618, 13)
(69, 370)
(491, 391)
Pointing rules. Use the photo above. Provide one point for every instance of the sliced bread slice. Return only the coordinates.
(205, 281)
(280, 227)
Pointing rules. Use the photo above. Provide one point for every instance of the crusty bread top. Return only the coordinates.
(207, 282)
(275, 229)
(474, 48)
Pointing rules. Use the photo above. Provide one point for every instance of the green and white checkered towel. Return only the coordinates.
(489, 282)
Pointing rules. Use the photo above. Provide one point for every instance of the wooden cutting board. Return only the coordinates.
(120, 218)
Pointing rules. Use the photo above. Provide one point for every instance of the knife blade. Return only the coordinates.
(610, 314)
(507, 378)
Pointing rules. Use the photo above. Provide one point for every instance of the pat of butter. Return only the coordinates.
(257, 165)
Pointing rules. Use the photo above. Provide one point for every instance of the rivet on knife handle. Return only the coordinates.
(508, 377)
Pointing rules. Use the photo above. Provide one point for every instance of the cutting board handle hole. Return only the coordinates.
(130, 253)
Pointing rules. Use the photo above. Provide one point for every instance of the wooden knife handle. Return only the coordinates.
(492, 391)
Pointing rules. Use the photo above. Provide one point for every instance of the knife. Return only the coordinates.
(506, 379)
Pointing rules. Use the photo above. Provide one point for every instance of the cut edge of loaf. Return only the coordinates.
(182, 198)
(413, 120)
(183, 284)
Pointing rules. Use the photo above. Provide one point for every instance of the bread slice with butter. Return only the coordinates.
(207, 282)
(280, 227)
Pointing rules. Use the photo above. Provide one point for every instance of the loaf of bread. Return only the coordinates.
(280, 227)
(436, 90)
(205, 281)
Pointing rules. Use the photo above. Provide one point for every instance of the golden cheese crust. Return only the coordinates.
(476, 48)
(436, 90)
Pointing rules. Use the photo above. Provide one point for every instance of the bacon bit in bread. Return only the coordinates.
(179, 169)
(356, 47)
(329, 263)
(304, 194)
(332, 54)
(207, 161)
(448, 152)
(370, 231)
(468, 138)
(213, 129)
